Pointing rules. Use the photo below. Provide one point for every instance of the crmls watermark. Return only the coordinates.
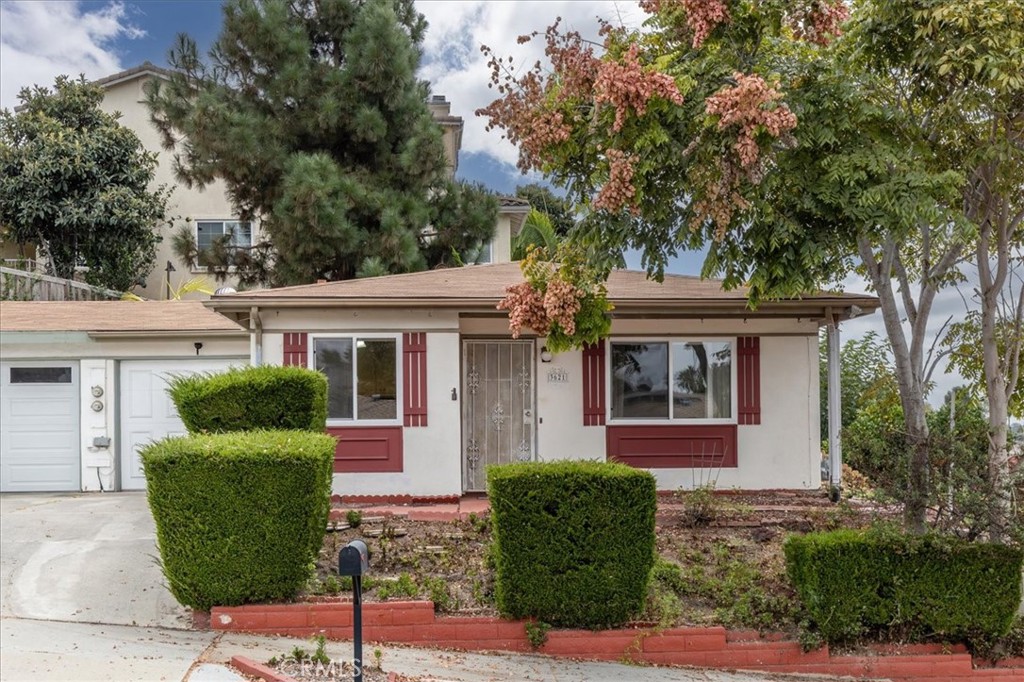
(330, 670)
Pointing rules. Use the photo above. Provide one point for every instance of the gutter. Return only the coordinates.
(845, 307)
(165, 333)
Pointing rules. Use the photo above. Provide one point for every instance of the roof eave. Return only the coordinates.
(167, 333)
(817, 308)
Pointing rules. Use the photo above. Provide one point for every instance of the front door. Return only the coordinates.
(498, 421)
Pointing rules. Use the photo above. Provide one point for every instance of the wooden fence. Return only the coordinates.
(22, 285)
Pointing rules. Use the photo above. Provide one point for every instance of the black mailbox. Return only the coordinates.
(354, 559)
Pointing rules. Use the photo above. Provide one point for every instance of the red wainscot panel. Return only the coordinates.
(673, 446)
(367, 449)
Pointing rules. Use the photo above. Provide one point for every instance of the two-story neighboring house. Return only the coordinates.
(209, 212)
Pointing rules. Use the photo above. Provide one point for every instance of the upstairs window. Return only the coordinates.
(672, 381)
(234, 233)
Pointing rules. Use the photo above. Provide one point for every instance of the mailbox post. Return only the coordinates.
(354, 561)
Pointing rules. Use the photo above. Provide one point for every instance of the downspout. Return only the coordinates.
(835, 410)
(256, 327)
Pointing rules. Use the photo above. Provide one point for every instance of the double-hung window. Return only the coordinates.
(362, 377)
(234, 233)
(673, 380)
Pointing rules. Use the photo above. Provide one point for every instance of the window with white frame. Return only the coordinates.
(672, 380)
(235, 233)
(362, 376)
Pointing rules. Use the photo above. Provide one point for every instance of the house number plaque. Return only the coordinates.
(558, 375)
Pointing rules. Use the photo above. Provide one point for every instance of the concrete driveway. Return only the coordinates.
(86, 558)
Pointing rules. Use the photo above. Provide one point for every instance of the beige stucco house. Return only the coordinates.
(209, 212)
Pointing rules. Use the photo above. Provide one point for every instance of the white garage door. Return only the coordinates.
(39, 437)
(147, 413)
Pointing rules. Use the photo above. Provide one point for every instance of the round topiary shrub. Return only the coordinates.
(240, 517)
(246, 398)
(573, 541)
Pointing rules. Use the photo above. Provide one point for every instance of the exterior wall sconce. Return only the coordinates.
(545, 354)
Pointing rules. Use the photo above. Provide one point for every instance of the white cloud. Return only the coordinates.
(456, 68)
(42, 40)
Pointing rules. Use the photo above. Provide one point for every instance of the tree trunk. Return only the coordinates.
(1000, 376)
(909, 376)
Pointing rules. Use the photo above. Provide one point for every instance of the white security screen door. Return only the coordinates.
(498, 420)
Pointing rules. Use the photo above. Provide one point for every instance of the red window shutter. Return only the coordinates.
(594, 385)
(414, 378)
(748, 379)
(296, 349)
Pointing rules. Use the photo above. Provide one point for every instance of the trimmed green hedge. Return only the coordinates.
(242, 399)
(240, 517)
(573, 541)
(857, 583)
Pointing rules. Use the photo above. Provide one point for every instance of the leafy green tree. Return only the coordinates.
(538, 231)
(77, 184)
(558, 209)
(865, 371)
(965, 352)
(310, 112)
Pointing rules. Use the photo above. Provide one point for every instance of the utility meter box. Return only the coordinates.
(354, 559)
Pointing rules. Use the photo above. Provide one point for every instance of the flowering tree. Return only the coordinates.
(562, 298)
(665, 136)
(793, 152)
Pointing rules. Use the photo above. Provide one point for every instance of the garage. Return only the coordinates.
(39, 432)
(147, 413)
(83, 386)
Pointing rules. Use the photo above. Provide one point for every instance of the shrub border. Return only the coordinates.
(414, 622)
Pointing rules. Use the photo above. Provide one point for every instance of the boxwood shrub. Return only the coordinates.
(573, 541)
(240, 517)
(241, 399)
(882, 582)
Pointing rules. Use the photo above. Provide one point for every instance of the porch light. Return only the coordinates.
(545, 354)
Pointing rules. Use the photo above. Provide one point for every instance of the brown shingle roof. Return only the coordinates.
(112, 316)
(506, 201)
(484, 286)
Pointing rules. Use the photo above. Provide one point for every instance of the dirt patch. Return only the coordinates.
(727, 568)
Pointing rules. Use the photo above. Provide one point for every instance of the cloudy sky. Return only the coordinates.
(42, 39)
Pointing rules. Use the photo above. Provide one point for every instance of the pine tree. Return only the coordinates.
(311, 113)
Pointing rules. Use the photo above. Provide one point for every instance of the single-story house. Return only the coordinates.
(427, 387)
(82, 385)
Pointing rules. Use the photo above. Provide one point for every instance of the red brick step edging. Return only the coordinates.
(414, 622)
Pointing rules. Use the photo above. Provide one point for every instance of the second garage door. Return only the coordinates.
(147, 413)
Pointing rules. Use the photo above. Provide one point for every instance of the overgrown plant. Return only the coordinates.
(537, 633)
(562, 298)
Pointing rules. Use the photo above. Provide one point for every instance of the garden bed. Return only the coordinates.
(727, 550)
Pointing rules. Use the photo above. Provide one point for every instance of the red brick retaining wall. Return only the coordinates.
(414, 623)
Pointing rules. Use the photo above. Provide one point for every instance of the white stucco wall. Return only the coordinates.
(187, 205)
(432, 459)
(781, 452)
(98, 463)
